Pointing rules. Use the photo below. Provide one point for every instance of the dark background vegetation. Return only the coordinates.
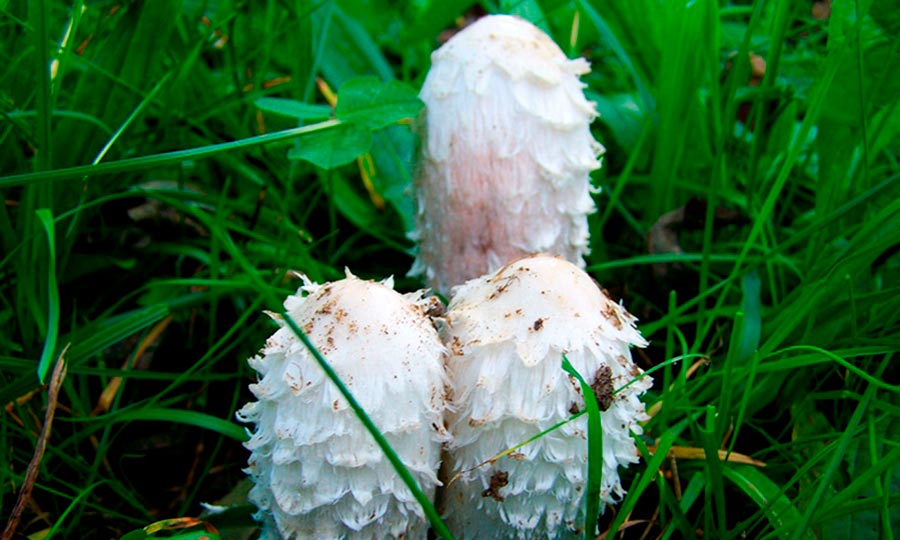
(748, 214)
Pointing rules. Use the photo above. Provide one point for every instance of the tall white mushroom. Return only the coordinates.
(507, 333)
(506, 153)
(318, 473)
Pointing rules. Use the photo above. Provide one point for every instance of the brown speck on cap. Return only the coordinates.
(498, 480)
(603, 387)
(610, 313)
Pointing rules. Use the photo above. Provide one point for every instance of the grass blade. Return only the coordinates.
(594, 452)
(167, 158)
(776, 506)
(178, 416)
(47, 355)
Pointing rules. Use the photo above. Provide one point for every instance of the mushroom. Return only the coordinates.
(506, 153)
(318, 473)
(507, 333)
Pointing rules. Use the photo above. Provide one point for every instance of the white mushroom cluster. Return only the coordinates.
(503, 174)
(318, 473)
(506, 153)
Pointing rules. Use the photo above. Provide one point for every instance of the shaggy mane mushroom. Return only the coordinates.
(506, 153)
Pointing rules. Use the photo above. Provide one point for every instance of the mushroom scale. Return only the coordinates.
(507, 151)
(317, 472)
(507, 333)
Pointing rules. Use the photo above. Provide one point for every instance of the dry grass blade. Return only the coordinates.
(687, 452)
(109, 393)
(59, 373)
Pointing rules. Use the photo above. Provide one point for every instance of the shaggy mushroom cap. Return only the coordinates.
(318, 473)
(506, 155)
(507, 333)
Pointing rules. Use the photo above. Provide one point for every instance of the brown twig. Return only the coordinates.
(59, 373)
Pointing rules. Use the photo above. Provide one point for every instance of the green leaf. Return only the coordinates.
(294, 109)
(334, 147)
(49, 351)
(376, 104)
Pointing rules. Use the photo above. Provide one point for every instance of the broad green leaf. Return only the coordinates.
(376, 104)
(334, 147)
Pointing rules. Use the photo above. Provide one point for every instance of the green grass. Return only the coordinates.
(179, 160)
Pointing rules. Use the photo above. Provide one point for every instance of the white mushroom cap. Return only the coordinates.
(318, 473)
(506, 155)
(507, 333)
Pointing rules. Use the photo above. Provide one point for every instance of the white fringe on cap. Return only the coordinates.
(507, 333)
(318, 473)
